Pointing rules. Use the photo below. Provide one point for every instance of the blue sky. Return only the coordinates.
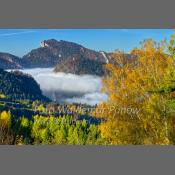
(20, 41)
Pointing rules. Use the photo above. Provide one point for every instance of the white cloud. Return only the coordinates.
(85, 88)
(17, 33)
(89, 98)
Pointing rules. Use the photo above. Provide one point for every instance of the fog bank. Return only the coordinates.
(69, 88)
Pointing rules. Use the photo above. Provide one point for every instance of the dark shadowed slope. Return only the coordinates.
(18, 86)
(8, 61)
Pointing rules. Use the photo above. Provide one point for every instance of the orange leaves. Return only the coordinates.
(138, 83)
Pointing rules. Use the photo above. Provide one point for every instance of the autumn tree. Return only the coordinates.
(6, 135)
(139, 89)
(171, 46)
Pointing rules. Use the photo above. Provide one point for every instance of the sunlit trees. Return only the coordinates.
(46, 130)
(171, 46)
(2, 96)
(144, 84)
(6, 135)
(63, 130)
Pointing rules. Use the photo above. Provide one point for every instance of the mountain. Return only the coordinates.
(66, 57)
(80, 66)
(16, 85)
(8, 61)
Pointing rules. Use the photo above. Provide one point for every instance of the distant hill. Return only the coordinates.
(8, 61)
(16, 85)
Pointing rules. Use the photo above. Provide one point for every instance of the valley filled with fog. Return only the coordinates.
(68, 88)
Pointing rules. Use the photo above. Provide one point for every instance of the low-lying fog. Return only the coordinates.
(69, 88)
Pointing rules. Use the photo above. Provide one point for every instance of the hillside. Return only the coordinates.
(53, 53)
(17, 86)
(8, 61)
(80, 66)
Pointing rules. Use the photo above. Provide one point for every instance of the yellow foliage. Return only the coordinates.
(138, 84)
(5, 119)
(2, 96)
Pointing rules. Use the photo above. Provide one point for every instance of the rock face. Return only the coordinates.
(8, 61)
(67, 57)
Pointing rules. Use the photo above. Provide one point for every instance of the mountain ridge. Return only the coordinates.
(63, 56)
(53, 53)
(9, 61)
